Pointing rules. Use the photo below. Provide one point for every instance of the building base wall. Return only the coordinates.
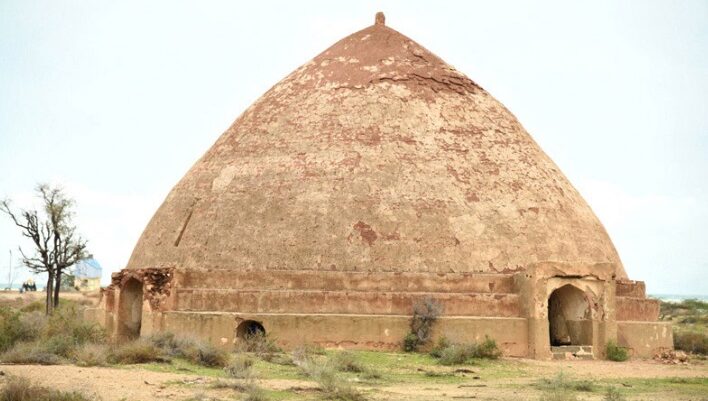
(382, 332)
(644, 339)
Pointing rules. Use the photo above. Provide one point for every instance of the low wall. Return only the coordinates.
(347, 331)
(644, 339)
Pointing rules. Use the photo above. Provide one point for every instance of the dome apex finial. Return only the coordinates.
(380, 19)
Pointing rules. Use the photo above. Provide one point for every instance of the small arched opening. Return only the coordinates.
(130, 310)
(569, 317)
(249, 329)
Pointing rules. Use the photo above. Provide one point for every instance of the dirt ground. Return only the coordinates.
(136, 383)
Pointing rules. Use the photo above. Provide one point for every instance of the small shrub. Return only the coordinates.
(583, 385)
(255, 393)
(615, 352)
(692, 342)
(425, 313)
(17, 389)
(30, 353)
(12, 329)
(198, 352)
(239, 367)
(207, 355)
(140, 351)
(488, 349)
(91, 355)
(437, 350)
(324, 373)
(410, 342)
(457, 354)
(557, 389)
(347, 362)
(68, 320)
(612, 394)
(60, 344)
(258, 343)
(35, 306)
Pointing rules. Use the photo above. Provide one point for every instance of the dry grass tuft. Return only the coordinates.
(17, 389)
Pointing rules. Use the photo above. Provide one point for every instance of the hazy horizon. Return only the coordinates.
(115, 101)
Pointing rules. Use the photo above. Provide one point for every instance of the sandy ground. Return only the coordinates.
(133, 383)
(15, 299)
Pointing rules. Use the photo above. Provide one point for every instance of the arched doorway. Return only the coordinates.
(569, 317)
(130, 310)
(249, 329)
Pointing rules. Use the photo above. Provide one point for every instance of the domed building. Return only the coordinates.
(372, 177)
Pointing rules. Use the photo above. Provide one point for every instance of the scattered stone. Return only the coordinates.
(671, 357)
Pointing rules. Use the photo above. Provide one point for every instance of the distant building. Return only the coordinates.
(87, 275)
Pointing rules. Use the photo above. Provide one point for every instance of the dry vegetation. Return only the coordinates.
(690, 321)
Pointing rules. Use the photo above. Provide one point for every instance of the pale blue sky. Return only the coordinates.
(116, 100)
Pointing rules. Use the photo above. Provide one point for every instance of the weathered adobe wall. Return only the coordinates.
(632, 303)
(637, 309)
(347, 331)
(355, 302)
(629, 288)
(346, 281)
(645, 339)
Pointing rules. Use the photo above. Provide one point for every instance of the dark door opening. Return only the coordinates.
(569, 320)
(249, 329)
(130, 310)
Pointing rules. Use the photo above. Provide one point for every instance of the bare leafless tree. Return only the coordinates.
(56, 244)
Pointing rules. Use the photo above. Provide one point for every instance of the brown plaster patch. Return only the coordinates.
(366, 232)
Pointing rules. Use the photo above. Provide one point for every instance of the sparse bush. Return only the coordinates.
(442, 343)
(612, 394)
(14, 327)
(255, 393)
(30, 353)
(139, 351)
(207, 355)
(557, 389)
(692, 342)
(258, 343)
(324, 373)
(91, 355)
(17, 389)
(615, 352)
(410, 342)
(488, 349)
(59, 334)
(68, 320)
(456, 354)
(239, 367)
(425, 313)
(347, 362)
(198, 352)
